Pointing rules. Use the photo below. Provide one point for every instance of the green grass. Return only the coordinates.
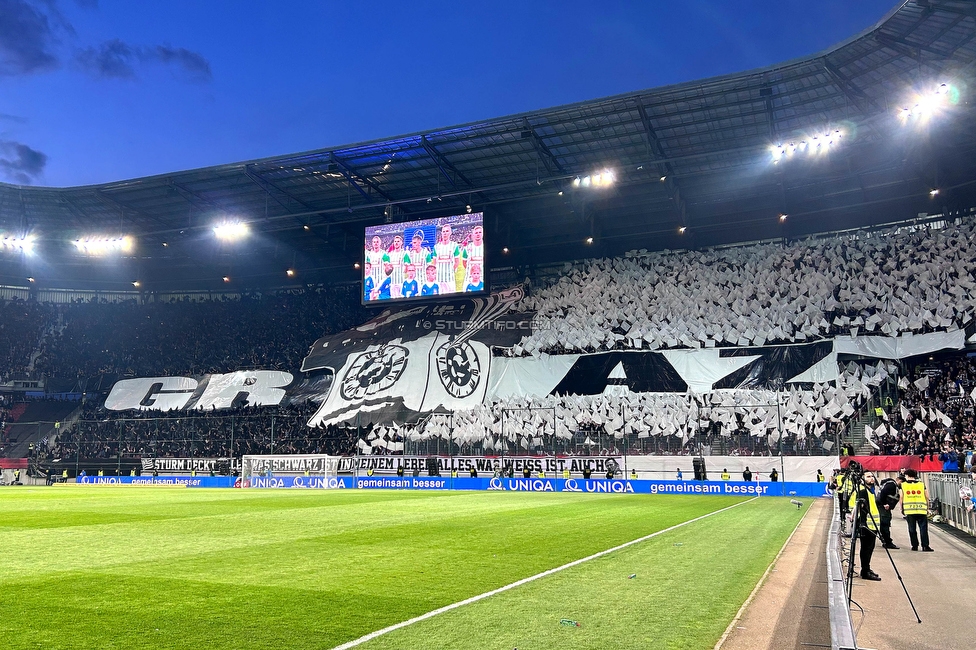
(166, 568)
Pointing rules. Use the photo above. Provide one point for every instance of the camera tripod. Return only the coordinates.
(856, 476)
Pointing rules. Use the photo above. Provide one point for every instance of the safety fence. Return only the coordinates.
(841, 626)
(952, 497)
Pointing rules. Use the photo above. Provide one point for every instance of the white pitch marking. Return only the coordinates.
(518, 583)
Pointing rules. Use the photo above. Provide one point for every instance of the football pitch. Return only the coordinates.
(113, 567)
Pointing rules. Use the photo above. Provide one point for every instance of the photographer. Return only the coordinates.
(864, 499)
(888, 498)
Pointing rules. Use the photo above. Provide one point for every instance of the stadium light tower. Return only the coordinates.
(603, 178)
(23, 244)
(810, 144)
(99, 245)
(924, 105)
(231, 230)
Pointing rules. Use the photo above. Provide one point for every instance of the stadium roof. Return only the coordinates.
(695, 155)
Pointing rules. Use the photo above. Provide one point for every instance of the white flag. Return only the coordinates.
(922, 383)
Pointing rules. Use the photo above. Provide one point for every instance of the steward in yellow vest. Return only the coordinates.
(566, 473)
(914, 501)
(915, 505)
(725, 475)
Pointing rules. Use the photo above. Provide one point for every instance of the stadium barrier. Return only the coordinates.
(188, 481)
(605, 486)
(842, 636)
(954, 497)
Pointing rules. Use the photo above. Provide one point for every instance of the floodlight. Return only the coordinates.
(137, 284)
(23, 244)
(226, 278)
(231, 230)
(101, 245)
(934, 192)
(682, 229)
(290, 273)
(782, 217)
(30, 280)
(505, 250)
(589, 240)
(356, 265)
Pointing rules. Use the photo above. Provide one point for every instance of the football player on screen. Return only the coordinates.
(417, 255)
(474, 279)
(374, 257)
(387, 284)
(473, 252)
(447, 256)
(396, 257)
(430, 287)
(410, 287)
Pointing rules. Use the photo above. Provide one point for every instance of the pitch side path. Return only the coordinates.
(942, 585)
(171, 568)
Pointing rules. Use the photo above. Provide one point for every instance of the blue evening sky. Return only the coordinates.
(102, 90)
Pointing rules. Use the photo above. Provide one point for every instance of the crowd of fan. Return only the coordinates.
(901, 280)
(105, 435)
(744, 421)
(22, 324)
(193, 337)
(935, 415)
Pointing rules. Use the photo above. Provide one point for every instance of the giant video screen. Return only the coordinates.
(430, 258)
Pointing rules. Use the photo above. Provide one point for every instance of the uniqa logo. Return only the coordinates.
(618, 487)
(495, 484)
(571, 486)
(331, 483)
(530, 485)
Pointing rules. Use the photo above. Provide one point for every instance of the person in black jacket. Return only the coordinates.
(888, 497)
(747, 475)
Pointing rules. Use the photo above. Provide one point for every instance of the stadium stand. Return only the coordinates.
(22, 324)
(935, 413)
(733, 422)
(187, 336)
(749, 295)
(101, 435)
(882, 282)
